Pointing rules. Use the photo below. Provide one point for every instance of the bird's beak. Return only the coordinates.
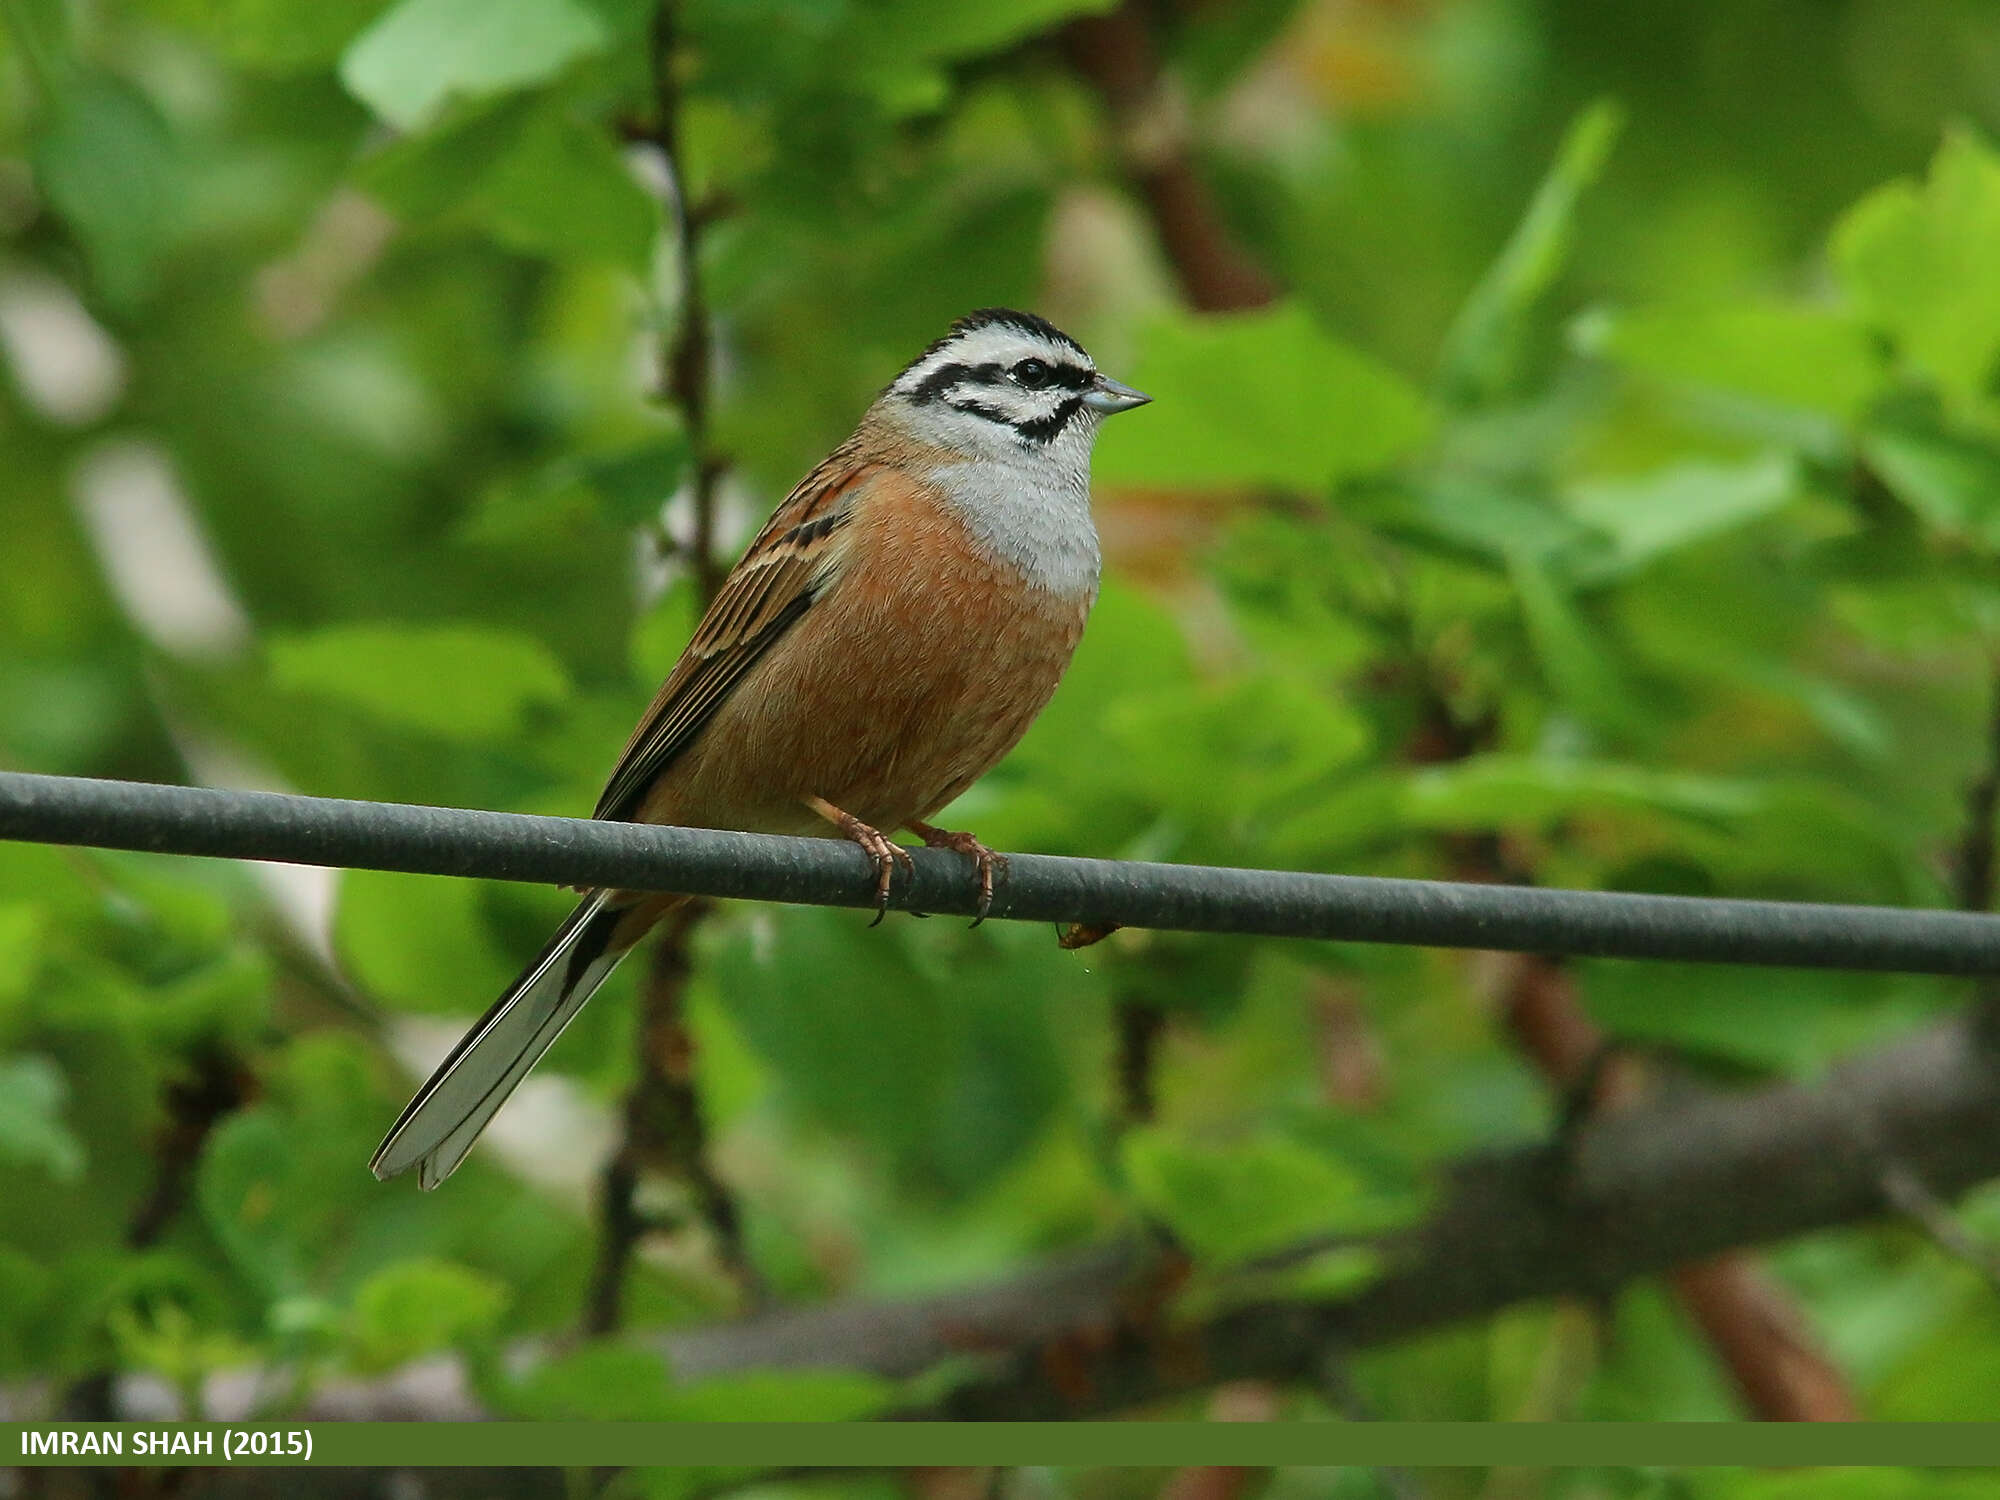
(1107, 395)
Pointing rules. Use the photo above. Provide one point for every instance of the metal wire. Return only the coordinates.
(1033, 887)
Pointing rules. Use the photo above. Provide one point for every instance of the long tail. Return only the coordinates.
(489, 1062)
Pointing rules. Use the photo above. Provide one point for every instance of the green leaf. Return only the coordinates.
(459, 682)
(926, 29)
(24, 1295)
(156, 1334)
(636, 482)
(1951, 482)
(604, 1381)
(1579, 670)
(107, 164)
(1768, 1019)
(893, 49)
(563, 192)
(1261, 398)
(1518, 791)
(527, 174)
(419, 942)
(1487, 347)
(23, 934)
(1918, 262)
(425, 52)
(241, 1187)
(1490, 519)
(272, 35)
(1675, 507)
(1786, 354)
(1215, 752)
(1232, 1203)
(32, 1133)
(934, 1049)
(416, 1307)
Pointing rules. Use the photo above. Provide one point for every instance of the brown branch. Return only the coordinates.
(1973, 864)
(1631, 1194)
(1902, 1185)
(663, 1132)
(1750, 1322)
(690, 356)
(1140, 1027)
(214, 1084)
(663, 1127)
(1116, 55)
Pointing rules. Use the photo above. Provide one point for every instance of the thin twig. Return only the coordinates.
(214, 1084)
(1973, 865)
(1115, 53)
(1140, 1027)
(663, 1123)
(1908, 1194)
(663, 1131)
(689, 360)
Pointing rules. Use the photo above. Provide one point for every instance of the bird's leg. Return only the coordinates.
(876, 844)
(964, 843)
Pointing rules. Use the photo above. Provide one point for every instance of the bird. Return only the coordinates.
(884, 641)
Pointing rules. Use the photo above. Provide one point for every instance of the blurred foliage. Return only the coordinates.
(1617, 481)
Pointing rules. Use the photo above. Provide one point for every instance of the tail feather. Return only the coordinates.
(438, 1128)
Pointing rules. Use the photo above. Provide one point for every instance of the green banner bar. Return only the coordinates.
(762, 1445)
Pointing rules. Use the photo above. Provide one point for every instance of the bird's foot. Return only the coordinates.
(965, 843)
(877, 845)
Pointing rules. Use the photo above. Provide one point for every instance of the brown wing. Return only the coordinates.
(793, 561)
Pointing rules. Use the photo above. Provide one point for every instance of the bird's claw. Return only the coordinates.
(876, 844)
(887, 854)
(964, 843)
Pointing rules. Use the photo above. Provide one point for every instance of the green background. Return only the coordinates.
(1607, 493)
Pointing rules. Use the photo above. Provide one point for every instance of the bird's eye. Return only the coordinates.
(1031, 374)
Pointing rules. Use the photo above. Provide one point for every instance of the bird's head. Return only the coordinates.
(1006, 384)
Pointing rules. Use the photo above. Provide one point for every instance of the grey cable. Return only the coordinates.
(1042, 888)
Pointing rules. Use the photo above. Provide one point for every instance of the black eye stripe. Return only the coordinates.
(1044, 429)
(945, 377)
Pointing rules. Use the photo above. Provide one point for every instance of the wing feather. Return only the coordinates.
(793, 561)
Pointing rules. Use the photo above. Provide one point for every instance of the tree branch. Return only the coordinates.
(211, 1085)
(689, 356)
(1973, 864)
(1116, 55)
(1748, 1320)
(662, 1118)
(1139, 1027)
(1631, 1194)
(1902, 1185)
